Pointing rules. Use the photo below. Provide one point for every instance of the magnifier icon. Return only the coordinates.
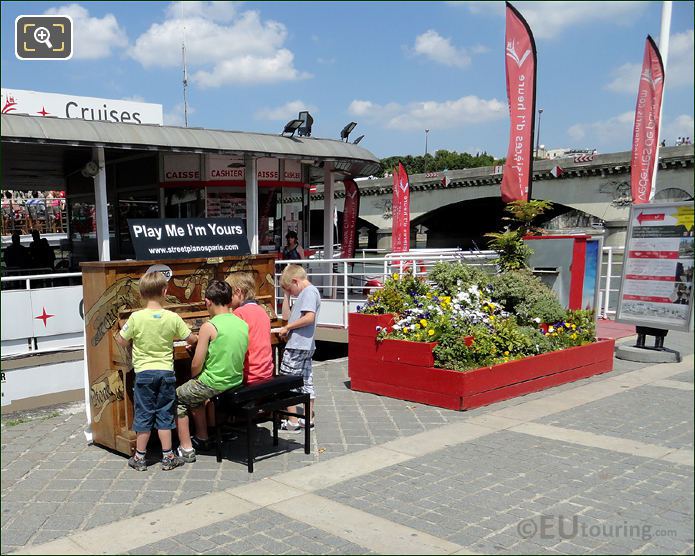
(43, 36)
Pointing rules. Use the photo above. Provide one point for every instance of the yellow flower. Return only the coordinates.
(423, 322)
(430, 332)
(417, 327)
(574, 327)
(506, 353)
(573, 336)
(551, 329)
(395, 276)
(446, 299)
(492, 317)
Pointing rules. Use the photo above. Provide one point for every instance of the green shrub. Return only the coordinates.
(452, 277)
(524, 295)
(509, 244)
(511, 250)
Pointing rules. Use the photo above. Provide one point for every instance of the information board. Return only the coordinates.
(657, 284)
(187, 238)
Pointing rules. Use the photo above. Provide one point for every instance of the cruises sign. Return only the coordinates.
(33, 103)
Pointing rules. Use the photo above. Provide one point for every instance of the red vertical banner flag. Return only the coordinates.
(400, 231)
(645, 134)
(350, 211)
(520, 65)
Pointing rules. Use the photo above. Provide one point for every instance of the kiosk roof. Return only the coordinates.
(47, 130)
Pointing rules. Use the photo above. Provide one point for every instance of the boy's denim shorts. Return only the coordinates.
(155, 400)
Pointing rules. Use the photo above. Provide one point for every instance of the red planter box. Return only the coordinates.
(412, 353)
(403, 370)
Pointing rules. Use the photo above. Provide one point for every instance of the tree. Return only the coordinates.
(442, 160)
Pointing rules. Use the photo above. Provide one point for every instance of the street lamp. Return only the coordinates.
(427, 132)
(538, 134)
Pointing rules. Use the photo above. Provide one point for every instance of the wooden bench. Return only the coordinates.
(259, 403)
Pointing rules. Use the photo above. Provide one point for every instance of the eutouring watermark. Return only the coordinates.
(572, 527)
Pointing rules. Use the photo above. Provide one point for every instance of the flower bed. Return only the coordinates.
(401, 369)
(464, 338)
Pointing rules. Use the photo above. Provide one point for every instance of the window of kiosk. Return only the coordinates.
(82, 230)
(226, 202)
(135, 204)
(269, 224)
(184, 202)
(293, 213)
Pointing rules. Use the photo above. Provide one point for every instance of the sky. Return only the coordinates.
(395, 68)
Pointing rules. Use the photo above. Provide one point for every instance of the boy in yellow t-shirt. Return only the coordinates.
(152, 331)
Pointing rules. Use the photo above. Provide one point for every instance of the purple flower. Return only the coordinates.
(378, 328)
(359, 307)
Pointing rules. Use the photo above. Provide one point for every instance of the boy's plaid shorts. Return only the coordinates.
(297, 362)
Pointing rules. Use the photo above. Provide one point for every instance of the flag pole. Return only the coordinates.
(666, 9)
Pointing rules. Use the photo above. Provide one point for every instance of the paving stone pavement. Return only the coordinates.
(258, 532)
(687, 376)
(54, 484)
(485, 494)
(473, 494)
(661, 416)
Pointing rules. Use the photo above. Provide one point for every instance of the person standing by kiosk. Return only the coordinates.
(292, 250)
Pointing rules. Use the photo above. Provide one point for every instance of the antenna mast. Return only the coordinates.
(185, 72)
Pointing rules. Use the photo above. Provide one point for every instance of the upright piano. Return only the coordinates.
(110, 295)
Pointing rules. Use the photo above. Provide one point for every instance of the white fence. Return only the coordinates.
(37, 318)
(611, 276)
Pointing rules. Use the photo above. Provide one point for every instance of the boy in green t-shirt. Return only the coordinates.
(218, 365)
(152, 331)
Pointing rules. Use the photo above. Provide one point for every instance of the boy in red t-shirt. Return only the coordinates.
(259, 357)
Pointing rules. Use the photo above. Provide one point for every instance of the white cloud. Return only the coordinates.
(361, 107)
(679, 66)
(94, 37)
(134, 98)
(175, 115)
(439, 49)
(285, 112)
(682, 126)
(218, 11)
(430, 114)
(550, 19)
(616, 132)
(222, 47)
(615, 129)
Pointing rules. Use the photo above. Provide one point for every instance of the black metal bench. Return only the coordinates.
(259, 403)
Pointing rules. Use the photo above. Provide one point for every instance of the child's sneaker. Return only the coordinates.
(286, 426)
(302, 423)
(186, 455)
(139, 464)
(171, 462)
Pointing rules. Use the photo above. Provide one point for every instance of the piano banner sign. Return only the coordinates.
(188, 238)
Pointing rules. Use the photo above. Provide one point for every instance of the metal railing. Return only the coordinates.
(346, 283)
(611, 276)
(28, 279)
